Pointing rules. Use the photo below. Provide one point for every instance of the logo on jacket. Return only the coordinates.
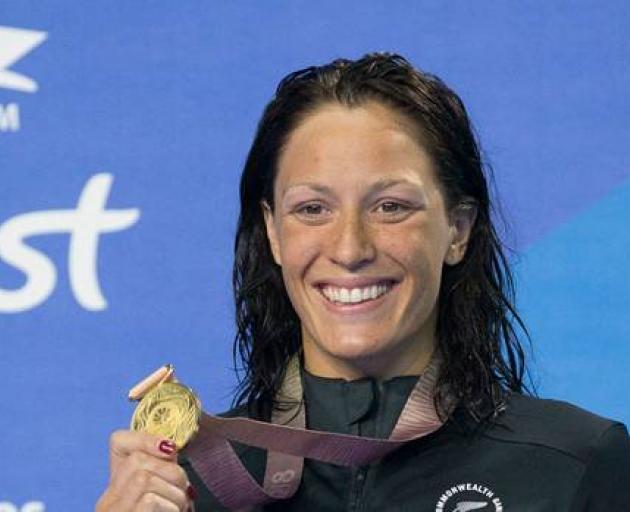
(469, 496)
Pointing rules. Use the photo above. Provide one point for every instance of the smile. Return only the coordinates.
(339, 295)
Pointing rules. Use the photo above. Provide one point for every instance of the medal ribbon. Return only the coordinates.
(288, 443)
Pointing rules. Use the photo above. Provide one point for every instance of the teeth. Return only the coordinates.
(354, 295)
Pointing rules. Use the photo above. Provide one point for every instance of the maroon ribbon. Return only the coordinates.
(288, 443)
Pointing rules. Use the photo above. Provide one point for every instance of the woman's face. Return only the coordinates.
(360, 229)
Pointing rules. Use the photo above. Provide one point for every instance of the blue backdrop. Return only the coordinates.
(123, 128)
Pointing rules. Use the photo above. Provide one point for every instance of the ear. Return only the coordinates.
(272, 235)
(462, 219)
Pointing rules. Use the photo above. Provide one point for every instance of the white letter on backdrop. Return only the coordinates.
(85, 224)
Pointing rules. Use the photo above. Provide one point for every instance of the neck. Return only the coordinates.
(412, 361)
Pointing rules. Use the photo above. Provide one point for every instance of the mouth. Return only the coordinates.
(357, 295)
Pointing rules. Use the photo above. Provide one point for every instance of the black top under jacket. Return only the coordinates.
(537, 455)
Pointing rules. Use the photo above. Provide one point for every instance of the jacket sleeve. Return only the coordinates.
(605, 484)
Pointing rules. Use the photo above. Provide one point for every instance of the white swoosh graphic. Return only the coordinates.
(14, 44)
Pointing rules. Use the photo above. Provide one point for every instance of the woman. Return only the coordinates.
(365, 247)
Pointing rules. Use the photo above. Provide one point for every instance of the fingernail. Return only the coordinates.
(167, 447)
(191, 492)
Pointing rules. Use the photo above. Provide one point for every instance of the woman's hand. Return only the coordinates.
(145, 476)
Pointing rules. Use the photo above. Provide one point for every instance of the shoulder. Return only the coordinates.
(559, 426)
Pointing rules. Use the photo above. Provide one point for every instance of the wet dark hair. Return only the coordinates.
(477, 324)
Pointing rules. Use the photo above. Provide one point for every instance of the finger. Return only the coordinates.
(154, 503)
(141, 462)
(145, 490)
(125, 442)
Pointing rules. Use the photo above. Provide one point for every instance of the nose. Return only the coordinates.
(351, 245)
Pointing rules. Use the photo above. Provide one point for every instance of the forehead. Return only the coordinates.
(369, 142)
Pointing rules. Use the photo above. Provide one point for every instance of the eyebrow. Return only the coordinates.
(378, 186)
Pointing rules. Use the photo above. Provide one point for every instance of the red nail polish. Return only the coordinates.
(191, 492)
(167, 447)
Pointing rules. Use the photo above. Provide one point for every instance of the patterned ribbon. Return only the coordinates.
(288, 442)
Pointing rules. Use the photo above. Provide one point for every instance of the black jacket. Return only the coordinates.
(538, 455)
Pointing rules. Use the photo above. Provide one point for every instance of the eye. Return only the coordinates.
(313, 212)
(311, 209)
(393, 210)
(392, 207)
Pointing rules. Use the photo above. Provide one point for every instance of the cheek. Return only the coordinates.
(298, 249)
(421, 254)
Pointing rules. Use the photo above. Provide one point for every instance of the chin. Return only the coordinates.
(355, 347)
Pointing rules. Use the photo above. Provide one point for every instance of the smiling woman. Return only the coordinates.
(368, 275)
(368, 174)
(361, 232)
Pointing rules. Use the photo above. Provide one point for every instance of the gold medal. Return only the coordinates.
(168, 410)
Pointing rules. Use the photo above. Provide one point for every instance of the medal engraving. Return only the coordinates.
(169, 410)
